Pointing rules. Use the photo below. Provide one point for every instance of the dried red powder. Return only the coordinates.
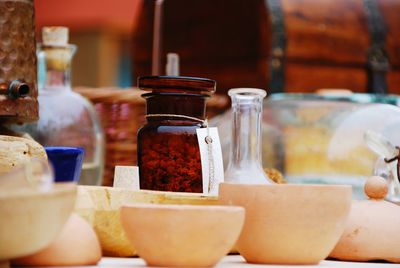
(170, 162)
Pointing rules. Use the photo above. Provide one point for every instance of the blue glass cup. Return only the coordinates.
(67, 163)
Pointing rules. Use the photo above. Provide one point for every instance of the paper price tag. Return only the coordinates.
(211, 159)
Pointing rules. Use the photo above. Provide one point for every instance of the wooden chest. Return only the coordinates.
(279, 45)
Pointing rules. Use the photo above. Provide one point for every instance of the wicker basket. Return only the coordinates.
(122, 113)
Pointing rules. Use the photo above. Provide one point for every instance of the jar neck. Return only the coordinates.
(54, 67)
(171, 121)
(189, 105)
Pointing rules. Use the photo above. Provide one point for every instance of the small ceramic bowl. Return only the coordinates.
(30, 219)
(288, 224)
(100, 206)
(67, 162)
(182, 235)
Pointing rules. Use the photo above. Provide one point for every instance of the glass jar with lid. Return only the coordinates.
(168, 150)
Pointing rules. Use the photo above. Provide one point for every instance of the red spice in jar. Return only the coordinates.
(168, 150)
(171, 162)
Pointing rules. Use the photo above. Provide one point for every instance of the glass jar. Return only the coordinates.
(168, 150)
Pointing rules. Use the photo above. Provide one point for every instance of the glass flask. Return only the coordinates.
(245, 164)
(65, 117)
(168, 148)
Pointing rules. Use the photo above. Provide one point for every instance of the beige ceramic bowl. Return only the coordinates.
(100, 206)
(288, 224)
(30, 220)
(182, 235)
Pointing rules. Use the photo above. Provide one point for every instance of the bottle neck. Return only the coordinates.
(54, 65)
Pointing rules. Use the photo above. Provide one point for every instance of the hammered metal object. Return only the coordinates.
(18, 87)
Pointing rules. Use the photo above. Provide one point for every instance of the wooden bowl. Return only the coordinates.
(182, 235)
(289, 224)
(100, 206)
(30, 220)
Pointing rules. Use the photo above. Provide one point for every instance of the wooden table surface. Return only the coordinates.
(235, 261)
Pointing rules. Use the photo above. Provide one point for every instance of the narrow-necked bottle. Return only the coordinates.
(65, 117)
(245, 165)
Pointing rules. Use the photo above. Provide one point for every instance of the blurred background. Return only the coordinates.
(102, 30)
(281, 45)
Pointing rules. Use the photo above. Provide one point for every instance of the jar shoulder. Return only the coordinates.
(168, 127)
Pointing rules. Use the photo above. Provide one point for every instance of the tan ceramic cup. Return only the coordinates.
(182, 235)
(288, 224)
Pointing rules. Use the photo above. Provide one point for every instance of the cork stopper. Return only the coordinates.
(55, 36)
(376, 187)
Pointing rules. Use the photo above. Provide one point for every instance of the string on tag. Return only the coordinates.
(208, 140)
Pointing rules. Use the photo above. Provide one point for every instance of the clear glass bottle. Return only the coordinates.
(65, 117)
(245, 165)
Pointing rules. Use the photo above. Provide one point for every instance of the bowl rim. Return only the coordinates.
(182, 207)
(64, 149)
(57, 189)
(168, 194)
(287, 185)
